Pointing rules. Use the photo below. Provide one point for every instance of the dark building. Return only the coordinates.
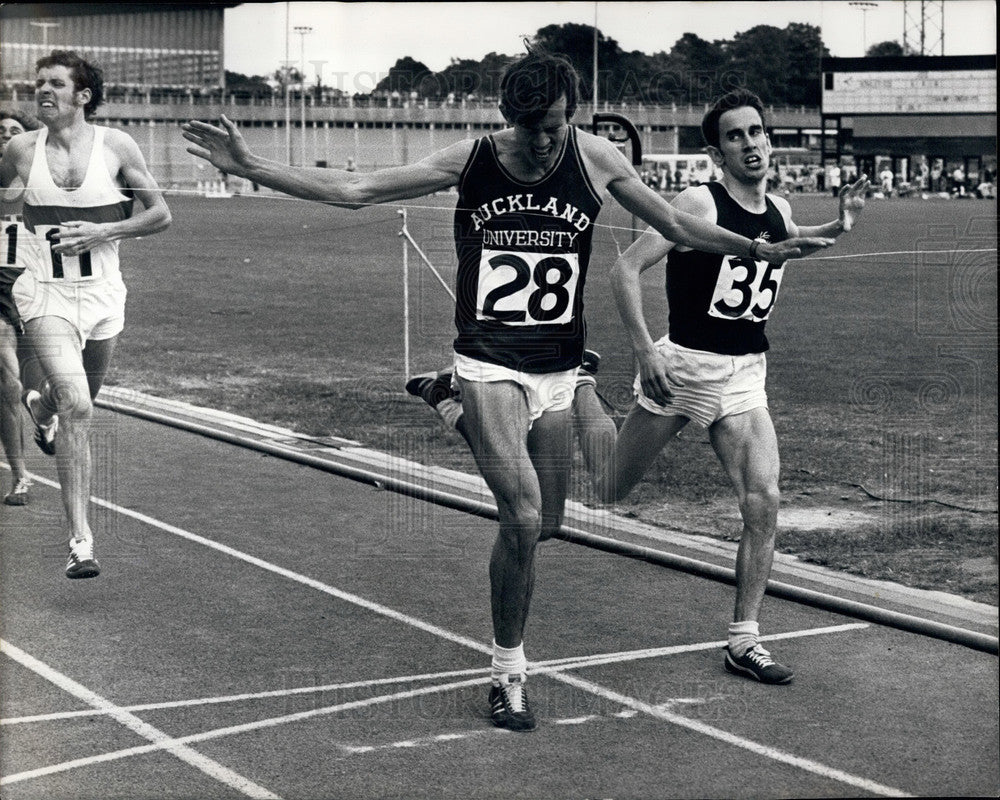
(170, 45)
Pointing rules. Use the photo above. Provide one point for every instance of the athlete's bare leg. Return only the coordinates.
(747, 446)
(617, 460)
(11, 419)
(72, 378)
(527, 475)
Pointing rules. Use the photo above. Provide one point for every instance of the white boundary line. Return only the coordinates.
(535, 668)
(160, 740)
(806, 765)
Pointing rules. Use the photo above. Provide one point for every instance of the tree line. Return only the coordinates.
(781, 64)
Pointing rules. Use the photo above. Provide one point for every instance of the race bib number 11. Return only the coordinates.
(21, 248)
(527, 288)
(746, 289)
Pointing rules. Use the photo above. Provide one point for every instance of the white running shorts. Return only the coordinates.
(708, 386)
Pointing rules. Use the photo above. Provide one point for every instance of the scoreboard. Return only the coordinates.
(910, 85)
(923, 92)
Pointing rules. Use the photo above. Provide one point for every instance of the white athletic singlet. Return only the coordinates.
(46, 206)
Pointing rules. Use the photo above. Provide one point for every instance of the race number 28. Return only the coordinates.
(746, 289)
(527, 288)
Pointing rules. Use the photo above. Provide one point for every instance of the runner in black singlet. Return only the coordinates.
(710, 368)
(523, 254)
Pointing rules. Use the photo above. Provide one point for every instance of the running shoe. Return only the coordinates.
(588, 368)
(45, 435)
(431, 387)
(756, 663)
(82, 563)
(591, 361)
(19, 494)
(509, 705)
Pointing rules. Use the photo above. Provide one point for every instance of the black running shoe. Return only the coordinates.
(591, 361)
(756, 663)
(431, 387)
(509, 705)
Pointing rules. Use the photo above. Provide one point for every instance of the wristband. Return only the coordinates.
(753, 247)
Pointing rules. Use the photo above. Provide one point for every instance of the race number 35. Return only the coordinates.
(527, 288)
(746, 289)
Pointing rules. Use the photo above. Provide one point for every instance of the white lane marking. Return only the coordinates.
(236, 698)
(664, 714)
(593, 688)
(161, 740)
(557, 665)
(233, 730)
(357, 600)
(534, 668)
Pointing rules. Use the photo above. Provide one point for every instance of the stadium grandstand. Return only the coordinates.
(166, 45)
(173, 68)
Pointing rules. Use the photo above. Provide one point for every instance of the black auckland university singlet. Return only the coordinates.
(523, 250)
(721, 303)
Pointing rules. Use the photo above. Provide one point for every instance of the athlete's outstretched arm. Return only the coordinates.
(852, 203)
(225, 148)
(611, 170)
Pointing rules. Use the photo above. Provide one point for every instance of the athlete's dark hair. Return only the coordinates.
(22, 119)
(85, 75)
(738, 98)
(533, 83)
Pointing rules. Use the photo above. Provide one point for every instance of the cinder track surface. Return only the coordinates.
(262, 628)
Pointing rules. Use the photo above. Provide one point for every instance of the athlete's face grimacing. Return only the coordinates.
(55, 93)
(540, 142)
(9, 128)
(744, 145)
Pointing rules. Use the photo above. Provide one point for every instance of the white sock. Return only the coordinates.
(508, 661)
(742, 636)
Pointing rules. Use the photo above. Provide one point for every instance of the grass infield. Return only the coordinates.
(882, 384)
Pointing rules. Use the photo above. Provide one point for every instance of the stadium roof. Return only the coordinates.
(49, 10)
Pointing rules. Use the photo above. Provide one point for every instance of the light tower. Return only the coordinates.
(923, 27)
(864, 7)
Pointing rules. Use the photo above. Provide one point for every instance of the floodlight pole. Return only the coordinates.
(288, 108)
(864, 7)
(595, 58)
(302, 30)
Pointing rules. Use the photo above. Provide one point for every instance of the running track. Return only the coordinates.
(265, 629)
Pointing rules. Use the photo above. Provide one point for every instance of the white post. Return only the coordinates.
(406, 296)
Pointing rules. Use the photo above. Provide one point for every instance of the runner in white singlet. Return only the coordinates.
(80, 180)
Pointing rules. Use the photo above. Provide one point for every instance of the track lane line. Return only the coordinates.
(593, 688)
(160, 740)
(534, 668)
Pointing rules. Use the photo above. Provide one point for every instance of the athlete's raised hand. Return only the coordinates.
(778, 253)
(223, 147)
(852, 201)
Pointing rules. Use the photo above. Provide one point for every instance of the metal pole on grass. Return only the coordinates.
(302, 30)
(288, 107)
(406, 294)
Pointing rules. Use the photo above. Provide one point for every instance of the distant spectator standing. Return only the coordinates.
(833, 173)
(958, 182)
(885, 179)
